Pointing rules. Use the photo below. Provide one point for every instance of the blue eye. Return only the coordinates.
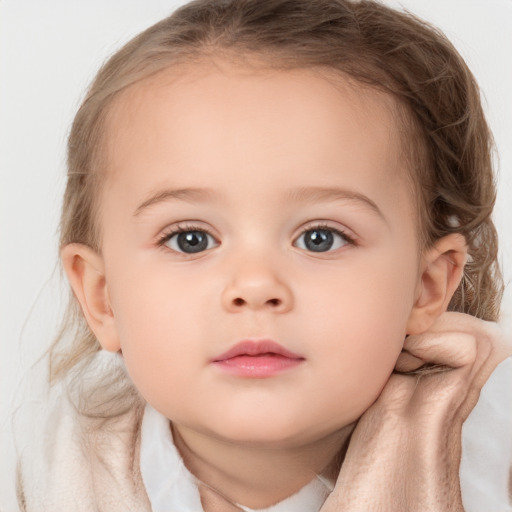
(322, 240)
(190, 241)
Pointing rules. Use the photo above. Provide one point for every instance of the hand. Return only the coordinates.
(404, 454)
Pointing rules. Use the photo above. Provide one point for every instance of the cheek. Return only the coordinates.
(154, 318)
(360, 324)
(365, 297)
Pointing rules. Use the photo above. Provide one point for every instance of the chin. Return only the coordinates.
(271, 432)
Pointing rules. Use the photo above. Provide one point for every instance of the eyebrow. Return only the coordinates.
(181, 194)
(302, 194)
(314, 194)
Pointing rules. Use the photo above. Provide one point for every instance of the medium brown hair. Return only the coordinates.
(446, 137)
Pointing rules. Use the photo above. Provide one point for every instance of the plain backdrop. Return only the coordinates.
(49, 52)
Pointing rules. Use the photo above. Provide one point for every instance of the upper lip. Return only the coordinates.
(256, 348)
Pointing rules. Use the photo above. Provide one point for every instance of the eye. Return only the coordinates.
(322, 239)
(189, 241)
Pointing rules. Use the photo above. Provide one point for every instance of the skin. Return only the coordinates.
(404, 454)
(257, 140)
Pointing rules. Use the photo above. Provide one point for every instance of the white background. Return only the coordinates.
(49, 51)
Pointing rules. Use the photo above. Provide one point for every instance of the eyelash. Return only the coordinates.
(347, 238)
(183, 228)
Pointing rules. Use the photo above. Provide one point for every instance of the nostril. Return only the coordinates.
(271, 302)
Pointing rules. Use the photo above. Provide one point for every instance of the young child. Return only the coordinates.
(271, 205)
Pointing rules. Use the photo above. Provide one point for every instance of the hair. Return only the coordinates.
(446, 137)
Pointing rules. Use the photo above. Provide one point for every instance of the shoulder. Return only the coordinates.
(85, 455)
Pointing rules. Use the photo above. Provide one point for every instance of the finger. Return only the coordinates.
(480, 346)
(453, 349)
(473, 357)
(406, 362)
(452, 321)
(484, 331)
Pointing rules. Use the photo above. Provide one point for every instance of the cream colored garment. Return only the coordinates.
(79, 463)
(84, 463)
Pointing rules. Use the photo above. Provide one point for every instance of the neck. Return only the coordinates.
(256, 476)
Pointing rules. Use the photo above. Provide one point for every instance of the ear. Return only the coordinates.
(441, 272)
(86, 273)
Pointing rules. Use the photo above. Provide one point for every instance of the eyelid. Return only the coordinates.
(180, 227)
(344, 232)
(344, 241)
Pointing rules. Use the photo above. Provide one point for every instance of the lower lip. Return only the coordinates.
(257, 367)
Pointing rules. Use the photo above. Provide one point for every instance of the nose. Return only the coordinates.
(256, 286)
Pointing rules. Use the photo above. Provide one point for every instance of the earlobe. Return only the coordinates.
(441, 273)
(85, 270)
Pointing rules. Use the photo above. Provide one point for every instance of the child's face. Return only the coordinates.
(273, 174)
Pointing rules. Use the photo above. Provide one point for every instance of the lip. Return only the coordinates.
(257, 359)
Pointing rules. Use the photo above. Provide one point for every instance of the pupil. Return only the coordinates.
(318, 240)
(192, 241)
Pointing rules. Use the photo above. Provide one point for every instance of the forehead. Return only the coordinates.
(223, 123)
(245, 94)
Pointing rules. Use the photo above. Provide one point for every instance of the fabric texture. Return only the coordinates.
(84, 454)
(85, 462)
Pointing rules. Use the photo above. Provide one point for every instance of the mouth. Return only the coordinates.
(257, 359)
